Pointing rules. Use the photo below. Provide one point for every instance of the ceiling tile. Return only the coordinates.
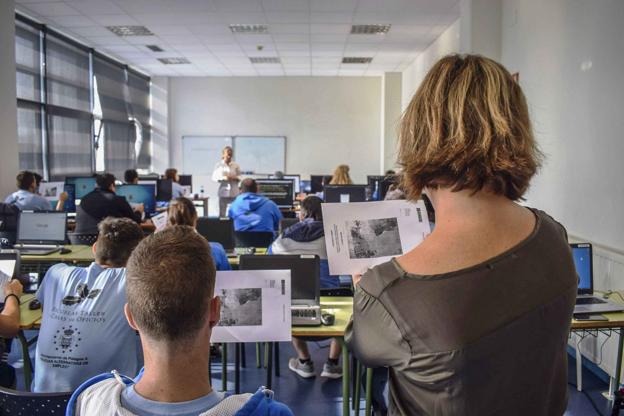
(333, 5)
(161, 30)
(237, 5)
(329, 29)
(51, 9)
(246, 18)
(254, 39)
(289, 28)
(113, 19)
(292, 46)
(327, 47)
(298, 72)
(217, 39)
(72, 21)
(316, 38)
(333, 17)
(287, 17)
(143, 40)
(351, 72)
(91, 31)
(179, 39)
(298, 52)
(106, 40)
(291, 38)
(285, 5)
(324, 72)
(93, 7)
(211, 29)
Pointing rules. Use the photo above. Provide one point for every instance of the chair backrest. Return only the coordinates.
(78, 239)
(253, 238)
(13, 402)
(287, 222)
(8, 217)
(218, 230)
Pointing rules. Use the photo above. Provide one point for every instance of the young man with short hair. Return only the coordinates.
(26, 197)
(83, 331)
(253, 212)
(171, 302)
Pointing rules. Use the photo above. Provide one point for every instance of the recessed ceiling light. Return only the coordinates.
(154, 48)
(356, 60)
(265, 60)
(249, 29)
(130, 30)
(370, 29)
(174, 61)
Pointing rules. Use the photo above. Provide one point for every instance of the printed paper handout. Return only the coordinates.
(360, 235)
(160, 221)
(7, 269)
(255, 306)
(51, 190)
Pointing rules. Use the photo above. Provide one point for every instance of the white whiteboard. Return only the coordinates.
(260, 154)
(200, 154)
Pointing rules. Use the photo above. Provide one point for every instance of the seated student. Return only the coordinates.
(102, 202)
(171, 302)
(177, 189)
(182, 212)
(131, 177)
(26, 197)
(83, 331)
(253, 212)
(308, 237)
(9, 327)
(341, 176)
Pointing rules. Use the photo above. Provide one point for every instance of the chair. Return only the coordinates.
(13, 402)
(253, 238)
(8, 224)
(78, 239)
(287, 222)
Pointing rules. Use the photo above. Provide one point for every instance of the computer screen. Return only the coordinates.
(83, 184)
(280, 191)
(186, 180)
(304, 272)
(295, 178)
(318, 181)
(582, 255)
(70, 202)
(305, 186)
(218, 230)
(378, 186)
(345, 193)
(139, 194)
(42, 227)
(164, 190)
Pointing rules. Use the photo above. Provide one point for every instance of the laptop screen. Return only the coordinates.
(582, 254)
(41, 227)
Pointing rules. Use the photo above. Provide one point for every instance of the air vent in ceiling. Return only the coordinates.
(249, 29)
(370, 29)
(130, 30)
(356, 60)
(154, 48)
(265, 60)
(174, 61)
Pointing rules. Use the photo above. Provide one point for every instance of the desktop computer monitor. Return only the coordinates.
(318, 181)
(582, 255)
(83, 184)
(345, 193)
(378, 186)
(305, 186)
(295, 178)
(186, 180)
(70, 202)
(164, 190)
(139, 194)
(280, 191)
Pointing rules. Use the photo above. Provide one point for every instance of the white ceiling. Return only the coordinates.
(309, 36)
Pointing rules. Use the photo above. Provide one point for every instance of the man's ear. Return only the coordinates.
(93, 248)
(215, 311)
(129, 317)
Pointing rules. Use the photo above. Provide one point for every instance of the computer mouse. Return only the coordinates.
(65, 250)
(34, 304)
(327, 319)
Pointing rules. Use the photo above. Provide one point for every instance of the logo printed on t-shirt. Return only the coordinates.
(66, 339)
(82, 293)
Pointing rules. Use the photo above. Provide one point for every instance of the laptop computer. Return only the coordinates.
(218, 230)
(305, 281)
(586, 302)
(40, 233)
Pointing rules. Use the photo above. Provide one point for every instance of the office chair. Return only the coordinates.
(13, 402)
(8, 224)
(78, 239)
(287, 222)
(253, 238)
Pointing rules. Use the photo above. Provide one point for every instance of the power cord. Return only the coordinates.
(608, 294)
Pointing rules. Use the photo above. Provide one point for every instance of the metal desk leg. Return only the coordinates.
(223, 367)
(358, 387)
(258, 354)
(243, 356)
(269, 380)
(237, 355)
(354, 362)
(276, 363)
(26, 358)
(369, 391)
(618, 363)
(579, 368)
(346, 380)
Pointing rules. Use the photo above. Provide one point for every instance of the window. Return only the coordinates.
(84, 113)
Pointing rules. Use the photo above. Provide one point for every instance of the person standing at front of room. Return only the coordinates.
(227, 173)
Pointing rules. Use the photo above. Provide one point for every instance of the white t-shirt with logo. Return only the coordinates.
(83, 331)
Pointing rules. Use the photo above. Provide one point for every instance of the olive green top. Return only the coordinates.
(485, 340)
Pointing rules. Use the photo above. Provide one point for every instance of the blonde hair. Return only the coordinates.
(341, 176)
(181, 211)
(468, 127)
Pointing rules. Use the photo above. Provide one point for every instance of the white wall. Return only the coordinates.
(570, 56)
(8, 113)
(448, 42)
(391, 116)
(327, 120)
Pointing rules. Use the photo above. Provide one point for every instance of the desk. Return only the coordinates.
(80, 255)
(235, 260)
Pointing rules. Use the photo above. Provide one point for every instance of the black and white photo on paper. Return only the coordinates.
(241, 307)
(374, 238)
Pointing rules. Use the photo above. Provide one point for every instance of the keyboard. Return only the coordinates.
(306, 315)
(589, 301)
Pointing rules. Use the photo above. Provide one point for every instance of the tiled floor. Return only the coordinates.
(320, 396)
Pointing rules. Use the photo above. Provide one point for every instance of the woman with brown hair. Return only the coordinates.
(341, 176)
(182, 212)
(474, 320)
(177, 190)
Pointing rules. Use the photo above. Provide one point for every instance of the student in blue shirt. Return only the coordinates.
(177, 190)
(171, 303)
(253, 212)
(83, 331)
(26, 197)
(182, 212)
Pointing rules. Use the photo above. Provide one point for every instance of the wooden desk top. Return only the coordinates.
(28, 317)
(616, 320)
(340, 307)
(79, 254)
